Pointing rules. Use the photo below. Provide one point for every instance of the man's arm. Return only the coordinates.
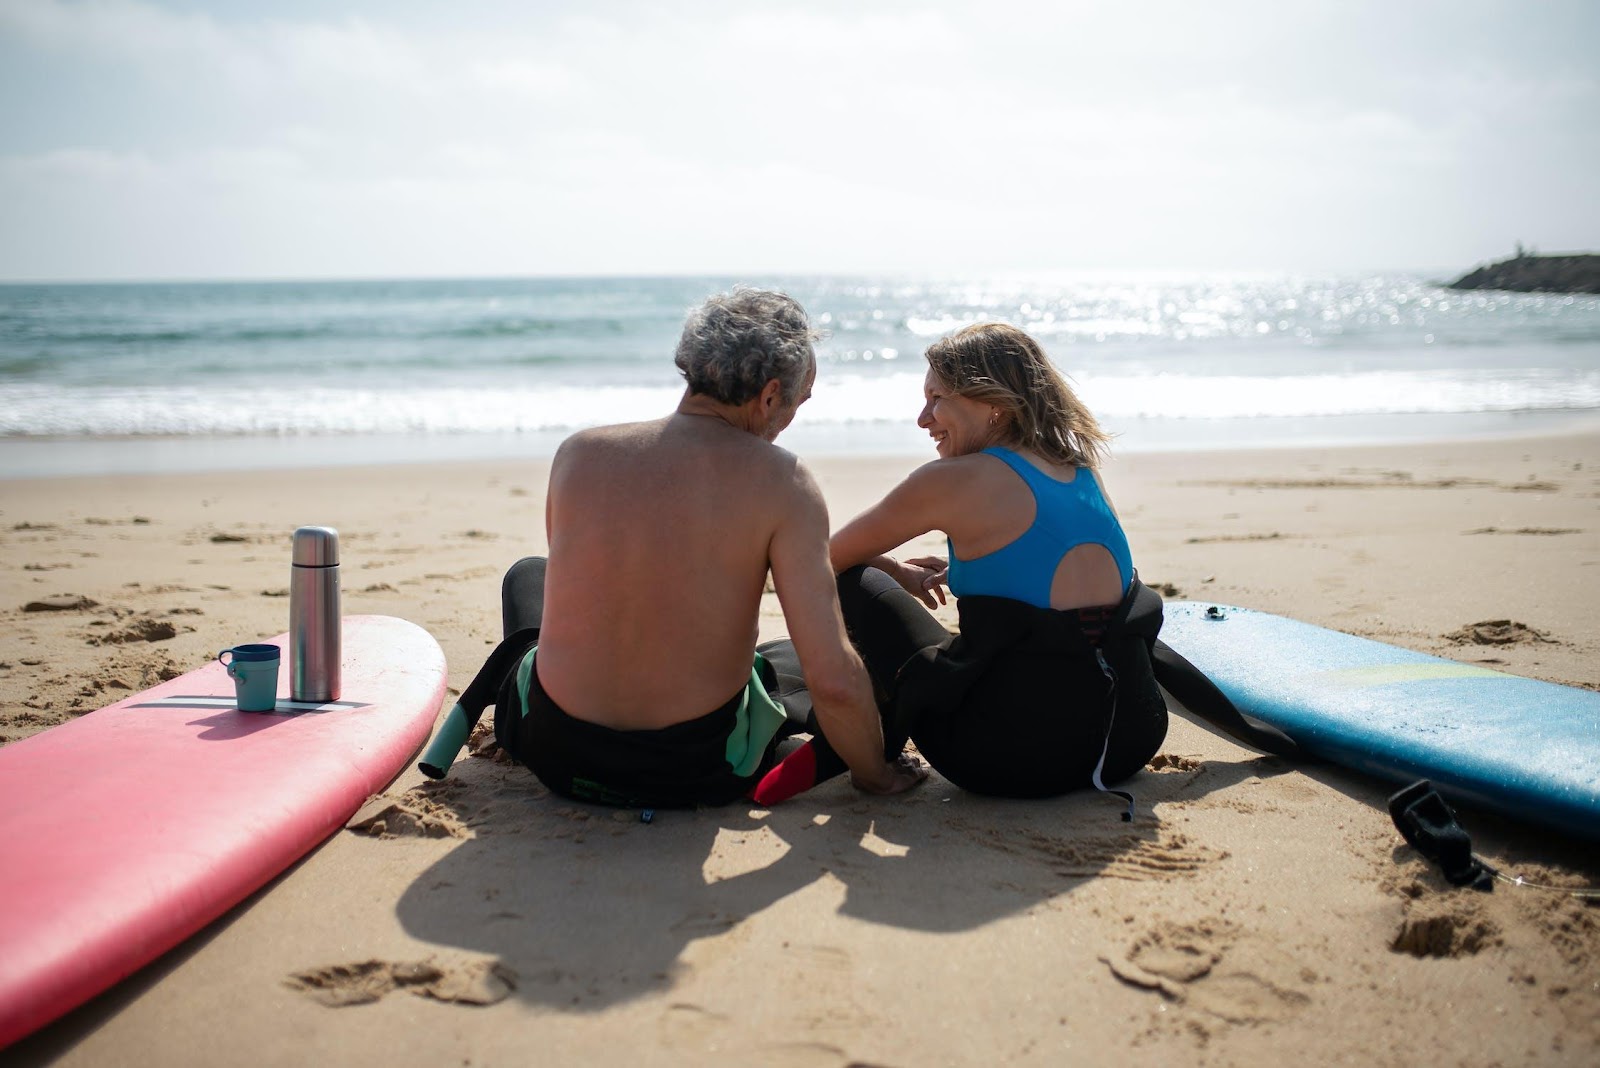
(841, 692)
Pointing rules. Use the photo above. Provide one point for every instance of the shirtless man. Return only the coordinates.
(661, 536)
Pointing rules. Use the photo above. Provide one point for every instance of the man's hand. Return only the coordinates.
(899, 776)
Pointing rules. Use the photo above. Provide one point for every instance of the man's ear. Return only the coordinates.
(771, 395)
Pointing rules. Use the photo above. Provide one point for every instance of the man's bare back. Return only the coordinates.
(660, 535)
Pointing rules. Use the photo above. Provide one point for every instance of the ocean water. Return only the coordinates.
(118, 378)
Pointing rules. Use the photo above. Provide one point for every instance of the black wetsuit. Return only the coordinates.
(1019, 703)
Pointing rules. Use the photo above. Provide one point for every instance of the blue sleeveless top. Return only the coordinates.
(1067, 515)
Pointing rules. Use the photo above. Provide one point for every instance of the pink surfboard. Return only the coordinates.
(130, 829)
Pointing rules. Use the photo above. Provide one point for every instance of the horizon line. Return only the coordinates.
(1075, 273)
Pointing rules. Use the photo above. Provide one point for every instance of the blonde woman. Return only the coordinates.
(1048, 687)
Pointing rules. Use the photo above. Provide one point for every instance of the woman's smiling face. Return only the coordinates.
(959, 425)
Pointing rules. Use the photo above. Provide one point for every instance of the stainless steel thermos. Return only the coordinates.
(314, 616)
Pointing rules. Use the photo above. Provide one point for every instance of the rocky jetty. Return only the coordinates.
(1524, 273)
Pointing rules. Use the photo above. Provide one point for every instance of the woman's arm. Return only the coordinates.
(911, 509)
(907, 511)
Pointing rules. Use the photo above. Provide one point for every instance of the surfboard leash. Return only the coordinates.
(1588, 893)
(1429, 825)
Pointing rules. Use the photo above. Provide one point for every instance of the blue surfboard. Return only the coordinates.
(1518, 746)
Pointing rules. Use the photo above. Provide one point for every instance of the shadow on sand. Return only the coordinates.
(590, 906)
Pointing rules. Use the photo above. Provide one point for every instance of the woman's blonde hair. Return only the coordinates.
(1000, 365)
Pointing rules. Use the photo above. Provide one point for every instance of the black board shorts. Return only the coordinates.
(679, 766)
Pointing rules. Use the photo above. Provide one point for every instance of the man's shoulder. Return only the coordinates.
(617, 433)
(664, 446)
(726, 448)
(774, 454)
(784, 467)
(767, 472)
(613, 438)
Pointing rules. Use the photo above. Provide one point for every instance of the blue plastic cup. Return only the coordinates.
(254, 669)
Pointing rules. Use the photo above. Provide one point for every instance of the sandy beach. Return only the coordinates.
(1255, 910)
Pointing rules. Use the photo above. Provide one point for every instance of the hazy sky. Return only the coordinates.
(185, 139)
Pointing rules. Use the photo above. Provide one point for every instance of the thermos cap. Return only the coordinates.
(316, 547)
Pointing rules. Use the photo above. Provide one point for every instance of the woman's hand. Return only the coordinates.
(923, 577)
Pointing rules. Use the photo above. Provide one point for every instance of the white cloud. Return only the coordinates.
(940, 136)
(537, 81)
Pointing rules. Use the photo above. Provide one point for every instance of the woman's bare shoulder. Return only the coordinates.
(954, 472)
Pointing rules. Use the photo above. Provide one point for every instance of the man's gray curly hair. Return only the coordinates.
(735, 343)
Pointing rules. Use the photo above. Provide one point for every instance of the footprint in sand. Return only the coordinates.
(1214, 967)
(819, 958)
(1498, 632)
(1444, 926)
(1181, 954)
(139, 630)
(482, 982)
(411, 815)
(64, 602)
(1135, 857)
(150, 670)
(689, 1026)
